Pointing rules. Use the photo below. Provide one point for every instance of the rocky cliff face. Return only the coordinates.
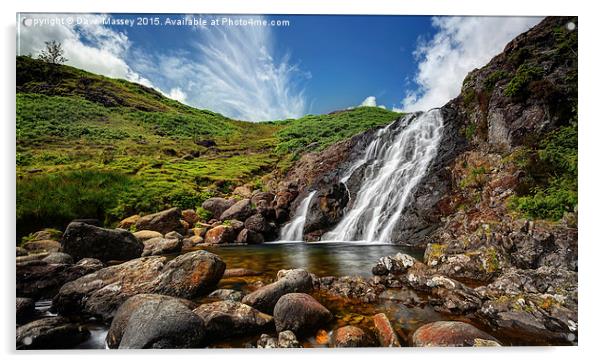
(523, 94)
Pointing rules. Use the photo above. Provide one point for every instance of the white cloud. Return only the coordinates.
(88, 45)
(460, 45)
(177, 94)
(370, 101)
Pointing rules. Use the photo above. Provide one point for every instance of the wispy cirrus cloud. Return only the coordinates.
(459, 45)
(235, 71)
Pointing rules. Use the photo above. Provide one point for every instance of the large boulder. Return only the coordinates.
(146, 235)
(171, 243)
(47, 245)
(164, 221)
(326, 209)
(101, 293)
(83, 240)
(241, 210)
(300, 313)
(217, 205)
(265, 298)
(40, 279)
(25, 308)
(249, 237)
(349, 336)
(448, 334)
(223, 319)
(260, 224)
(155, 321)
(221, 234)
(50, 333)
(58, 258)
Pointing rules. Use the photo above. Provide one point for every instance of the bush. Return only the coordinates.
(517, 87)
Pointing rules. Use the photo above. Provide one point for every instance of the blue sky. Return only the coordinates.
(315, 64)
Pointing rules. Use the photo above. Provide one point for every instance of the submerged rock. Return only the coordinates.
(300, 313)
(265, 298)
(155, 321)
(448, 334)
(223, 319)
(102, 292)
(349, 337)
(287, 339)
(163, 222)
(50, 333)
(83, 240)
(386, 334)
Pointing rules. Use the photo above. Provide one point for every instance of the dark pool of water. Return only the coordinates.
(322, 259)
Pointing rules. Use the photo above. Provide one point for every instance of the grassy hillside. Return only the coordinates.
(89, 146)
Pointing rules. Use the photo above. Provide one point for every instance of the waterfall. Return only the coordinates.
(396, 160)
(293, 231)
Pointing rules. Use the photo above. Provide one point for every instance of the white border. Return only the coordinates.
(589, 158)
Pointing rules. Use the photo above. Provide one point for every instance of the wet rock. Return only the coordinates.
(39, 279)
(82, 240)
(146, 235)
(265, 298)
(287, 339)
(327, 208)
(352, 287)
(448, 334)
(385, 332)
(241, 210)
(217, 206)
(149, 321)
(128, 222)
(267, 342)
(43, 245)
(226, 294)
(223, 319)
(300, 313)
(25, 309)
(349, 337)
(50, 333)
(221, 234)
(102, 292)
(249, 237)
(163, 222)
(396, 264)
(190, 217)
(171, 243)
(240, 272)
(58, 258)
(258, 223)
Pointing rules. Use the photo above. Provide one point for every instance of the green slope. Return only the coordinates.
(89, 146)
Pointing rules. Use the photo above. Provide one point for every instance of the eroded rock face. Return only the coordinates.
(103, 292)
(163, 222)
(40, 279)
(148, 321)
(349, 337)
(300, 313)
(82, 240)
(224, 319)
(50, 333)
(448, 334)
(265, 298)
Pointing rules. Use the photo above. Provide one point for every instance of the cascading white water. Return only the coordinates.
(396, 160)
(293, 231)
